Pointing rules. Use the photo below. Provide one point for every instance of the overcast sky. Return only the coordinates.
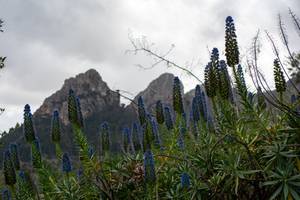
(49, 41)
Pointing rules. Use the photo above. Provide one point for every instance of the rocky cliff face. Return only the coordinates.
(161, 89)
(93, 92)
(158, 89)
(98, 104)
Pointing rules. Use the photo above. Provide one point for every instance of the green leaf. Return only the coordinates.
(270, 183)
(275, 194)
(294, 194)
(285, 191)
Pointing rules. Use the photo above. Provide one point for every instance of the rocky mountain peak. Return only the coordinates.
(94, 94)
(158, 89)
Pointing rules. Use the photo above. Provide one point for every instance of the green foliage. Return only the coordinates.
(55, 128)
(231, 45)
(36, 156)
(8, 169)
(14, 154)
(29, 131)
(159, 113)
(280, 83)
(177, 96)
(25, 186)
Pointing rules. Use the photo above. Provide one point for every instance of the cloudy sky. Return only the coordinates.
(49, 41)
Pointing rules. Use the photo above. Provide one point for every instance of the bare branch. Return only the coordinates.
(278, 57)
(296, 21)
(141, 45)
(284, 38)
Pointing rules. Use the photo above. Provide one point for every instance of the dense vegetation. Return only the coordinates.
(231, 145)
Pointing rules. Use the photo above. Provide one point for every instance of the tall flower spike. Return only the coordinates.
(180, 140)
(241, 84)
(72, 108)
(280, 83)
(215, 65)
(104, 137)
(36, 156)
(185, 180)
(177, 97)
(25, 185)
(141, 111)
(80, 117)
(199, 99)
(141, 133)
(149, 167)
(5, 194)
(135, 136)
(168, 118)
(231, 45)
(155, 132)
(14, 155)
(224, 81)
(205, 109)
(55, 127)
(66, 163)
(8, 169)
(127, 140)
(147, 135)
(28, 130)
(195, 110)
(210, 80)
(193, 125)
(159, 113)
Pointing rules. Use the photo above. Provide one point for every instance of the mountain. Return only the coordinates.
(93, 92)
(99, 103)
(161, 89)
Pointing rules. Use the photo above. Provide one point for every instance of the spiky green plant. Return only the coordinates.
(231, 45)
(80, 117)
(36, 156)
(177, 97)
(8, 169)
(104, 138)
(149, 167)
(141, 110)
(73, 108)
(55, 127)
(160, 112)
(210, 80)
(224, 81)
(279, 79)
(25, 186)
(14, 154)
(28, 128)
